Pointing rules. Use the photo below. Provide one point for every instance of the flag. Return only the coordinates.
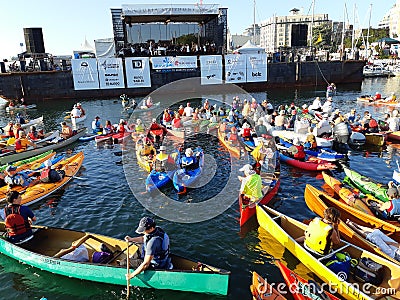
(319, 38)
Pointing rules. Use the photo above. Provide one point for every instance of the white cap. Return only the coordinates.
(163, 148)
(189, 151)
(121, 121)
(154, 120)
(245, 168)
(48, 163)
(138, 121)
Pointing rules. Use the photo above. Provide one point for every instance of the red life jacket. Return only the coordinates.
(121, 128)
(15, 223)
(300, 152)
(18, 145)
(372, 123)
(177, 123)
(246, 132)
(32, 136)
(45, 175)
(233, 137)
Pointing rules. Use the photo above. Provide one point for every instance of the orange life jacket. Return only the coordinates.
(15, 223)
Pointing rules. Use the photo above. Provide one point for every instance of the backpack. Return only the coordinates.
(15, 223)
(340, 264)
(368, 271)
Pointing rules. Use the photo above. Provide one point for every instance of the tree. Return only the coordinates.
(322, 35)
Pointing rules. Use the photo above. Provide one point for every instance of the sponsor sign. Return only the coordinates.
(137, 72)
(165, 10)
(111, 73)
(174, 62)
(85, 75)
(211, 69)
(235, 68)
(256, 67)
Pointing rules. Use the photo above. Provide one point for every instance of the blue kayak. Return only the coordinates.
(183, 178)
(325, 153)
(157, 180)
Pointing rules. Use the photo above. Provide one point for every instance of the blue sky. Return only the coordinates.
(66, 23)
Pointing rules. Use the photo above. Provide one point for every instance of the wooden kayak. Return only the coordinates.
(271, 183)
(233, 149)
(13, 156)
(262, 290)
(187, 275)
(311, 164)
(300, 288)
(346, 194)
(366, 184)
(318, 201)
(286, 230)
(40, 191)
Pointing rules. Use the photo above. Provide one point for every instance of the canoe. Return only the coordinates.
(311, 164)
(300, 288)
(33, 122)
(325, 154)
(19, 108)
(321, 142)
(177, 132)
(346, 194)
(286, 230)
(262, 290)
(103, 138)
(185, 179)
(144, 161)
(37, 192)
(187, 275)
(234, 150)
(367, 185)
(27, 160)
(318, 201)
(270, 183)
(376, 139)
(370, 101)
(394, 136)
(12, 156)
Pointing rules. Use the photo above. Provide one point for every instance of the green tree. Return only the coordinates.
(187, 39)
(322, 35)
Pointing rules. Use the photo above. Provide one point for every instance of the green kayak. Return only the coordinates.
(26, 161)
(186, 275)
(367, 185)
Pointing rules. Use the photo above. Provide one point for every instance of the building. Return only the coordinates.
(238, 40)
(391, 20)
(289, 31)
(166, 26)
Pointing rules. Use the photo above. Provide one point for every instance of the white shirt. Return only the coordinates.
(188, 111)
(76, 113)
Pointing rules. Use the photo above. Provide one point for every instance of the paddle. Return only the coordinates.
(127, 269)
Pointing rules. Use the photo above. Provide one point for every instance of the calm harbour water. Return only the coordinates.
(103, 203)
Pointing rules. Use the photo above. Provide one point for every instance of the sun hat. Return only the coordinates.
(145, 223)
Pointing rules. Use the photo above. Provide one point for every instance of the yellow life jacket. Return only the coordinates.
(139, 128)
(318, 236)
(253, 187)
(146, 150)
(162, 156)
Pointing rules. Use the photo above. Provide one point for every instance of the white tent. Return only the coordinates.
(249, 48)
(105, 47)
(86, 50)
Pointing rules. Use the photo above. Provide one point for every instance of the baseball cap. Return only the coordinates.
(11, 168)
(144, 224)
(246, 167)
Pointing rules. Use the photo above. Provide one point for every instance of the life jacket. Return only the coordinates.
(394, 210)
(147, 150)
(167, 117)
(233, 137)
(318, 236)
(253, 187)
(18, 145)
(9, 131)
(33, 136)
(300, 152)
(49, 175)
(189, 163)
(372, 123)
(15, 222)
(161, 162)
(161, 259)
(121, 128)
(246, 132)
(176, 123)
(139, 128)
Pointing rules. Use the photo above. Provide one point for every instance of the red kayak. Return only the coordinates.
(311, 164)
(300, 288)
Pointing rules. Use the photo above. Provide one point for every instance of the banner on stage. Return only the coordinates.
(85, 74)
(235, 68)
(111, 73)
(174, 62)
(256, 67)
(137, 72)
(211, 69)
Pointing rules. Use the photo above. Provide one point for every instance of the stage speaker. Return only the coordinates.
(34, 40)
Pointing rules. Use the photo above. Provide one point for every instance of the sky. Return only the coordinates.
(66, 24)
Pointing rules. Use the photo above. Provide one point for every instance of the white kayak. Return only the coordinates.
(20, 107)
(33, 122)
(288, 134)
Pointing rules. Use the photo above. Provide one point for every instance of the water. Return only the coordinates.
(103, 203)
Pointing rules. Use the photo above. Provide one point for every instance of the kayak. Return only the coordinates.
(286, 230)
(144, 161)
(37, 192)
(234, 150)
(27, 160)
(311, 164)
(187, 275)
(346, 194)
(288, 134)
(158, 180)
(300, 288)
(19, 108)
(262, 290)
(184, 179)
(325, 154)
(143, 108)
(394, 136)
(367, 185)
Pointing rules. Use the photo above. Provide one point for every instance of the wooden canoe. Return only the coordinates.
(233, 149)
(318, 201)
(187, 275)
(13, 156)
(286, 230)
(262, 290)
(37, 192)
(300, 288)
(346, 194)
